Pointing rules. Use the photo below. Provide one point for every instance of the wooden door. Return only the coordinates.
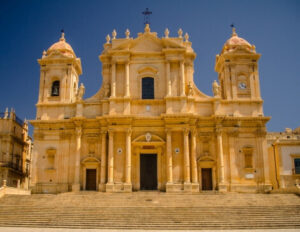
(91, 179)
(148, 171)
(206, 179)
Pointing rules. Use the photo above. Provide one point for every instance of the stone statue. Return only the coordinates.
(190, 89)
(216, 89)
(80, 92)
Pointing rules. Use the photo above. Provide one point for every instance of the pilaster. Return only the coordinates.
(128, 184)
(103, 161)
(169, 161)
(222, 185)
(110, 181)
(195, 183)
(76, 184)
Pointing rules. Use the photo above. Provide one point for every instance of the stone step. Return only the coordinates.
(152, 210)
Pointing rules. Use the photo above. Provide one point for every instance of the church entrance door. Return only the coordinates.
(148, 171)
(91, 179)
(206, 179)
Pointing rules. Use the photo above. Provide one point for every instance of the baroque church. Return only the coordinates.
(149, 127)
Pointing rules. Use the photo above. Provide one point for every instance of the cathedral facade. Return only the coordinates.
(149, 127)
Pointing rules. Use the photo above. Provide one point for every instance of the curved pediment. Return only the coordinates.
(206, 158)
(148, 138)
(147, 69)
(90, 160)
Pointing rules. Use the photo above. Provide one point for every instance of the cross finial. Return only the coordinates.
(146, 14)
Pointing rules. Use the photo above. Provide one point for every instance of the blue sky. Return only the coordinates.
(28, 27)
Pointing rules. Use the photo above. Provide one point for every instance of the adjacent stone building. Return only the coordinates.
(15, 150)
(149, 127)
(284, 156)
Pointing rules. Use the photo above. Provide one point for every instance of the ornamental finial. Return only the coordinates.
(62, 38)
(147, 28)
(180, 32)
(233, 30)
(127, 33)
(44, 54)
(107, 39)
(167, 32)
(186, 37)
(114, 34)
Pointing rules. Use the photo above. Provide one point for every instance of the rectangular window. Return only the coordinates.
(297, 165)
(148, 88)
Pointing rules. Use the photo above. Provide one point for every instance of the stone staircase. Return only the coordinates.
(151, 210)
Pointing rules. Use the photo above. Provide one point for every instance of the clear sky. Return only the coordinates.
(28, 27)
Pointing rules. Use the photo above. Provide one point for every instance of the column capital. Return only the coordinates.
(129, 131)
(194, 131)
(168, 130)
(219, 129)
(186, 131)
(78, 131)
(104, 132)
(111, 132)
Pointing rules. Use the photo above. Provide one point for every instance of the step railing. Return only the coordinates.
(6, 190)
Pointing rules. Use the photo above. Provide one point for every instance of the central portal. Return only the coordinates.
(148, 171)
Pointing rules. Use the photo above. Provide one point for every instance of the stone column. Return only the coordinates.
(169, 86)
(182, 78)
(193, 157)
(187, 178)
(103, 161)
(113, 79)
(222, 186)
(127, 92)
(169, 185)
(76, 184)
(128, 185)
(169, 157)
(110, 181)
(263, 151)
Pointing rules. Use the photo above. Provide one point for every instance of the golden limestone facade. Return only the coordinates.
(149, 127)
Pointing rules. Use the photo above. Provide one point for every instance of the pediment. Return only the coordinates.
(146, 44)
(148, 138)
(90, 160)
(206, 158)
(147, 69)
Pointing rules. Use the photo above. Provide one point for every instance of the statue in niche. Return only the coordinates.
(190, 89)
(106, 90)
(80, 92)
(216, 89)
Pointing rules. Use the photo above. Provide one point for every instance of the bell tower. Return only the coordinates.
(59, 77)
(237, 66)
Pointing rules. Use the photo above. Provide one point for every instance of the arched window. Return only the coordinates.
(55, 88)
(147, 88)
